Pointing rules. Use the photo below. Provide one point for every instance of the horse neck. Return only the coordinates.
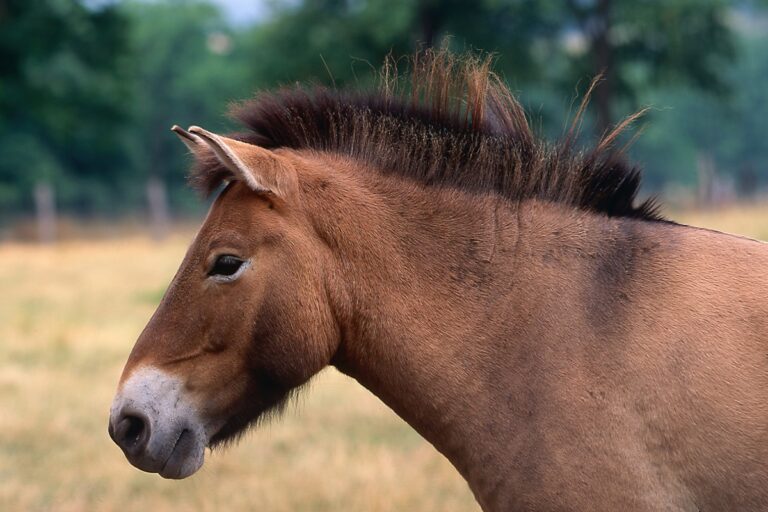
(444, 294)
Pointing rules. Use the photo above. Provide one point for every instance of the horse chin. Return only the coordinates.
(231, 432)
(237, 425)
(186, 458)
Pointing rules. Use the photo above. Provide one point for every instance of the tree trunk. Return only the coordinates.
(603, 64)
(428, 13)
(159, 217)
(705, 169)
(45, 210)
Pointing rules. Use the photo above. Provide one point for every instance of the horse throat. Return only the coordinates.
(472, 318)
(431, 329)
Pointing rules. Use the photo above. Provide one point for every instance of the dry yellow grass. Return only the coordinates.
(741, 219)
(68, 317)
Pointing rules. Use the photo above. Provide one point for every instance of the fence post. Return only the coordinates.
(159, 217)
(45, 210)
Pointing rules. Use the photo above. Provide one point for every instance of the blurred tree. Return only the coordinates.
(184, 71)
(60, 85)
(337, 41)
(640, 45)
(328, 41)
(88, 89)
(687, 129)
(634, 45)
(741, 142)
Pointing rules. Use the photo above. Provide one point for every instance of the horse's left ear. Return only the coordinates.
(261, 169)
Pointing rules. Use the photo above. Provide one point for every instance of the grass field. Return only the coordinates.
(69, 314)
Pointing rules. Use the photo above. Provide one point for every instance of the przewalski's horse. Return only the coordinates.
(563, 347)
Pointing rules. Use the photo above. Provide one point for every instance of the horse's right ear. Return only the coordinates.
(194, 143)
(260, 169)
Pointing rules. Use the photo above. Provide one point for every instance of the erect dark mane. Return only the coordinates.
(455, 124)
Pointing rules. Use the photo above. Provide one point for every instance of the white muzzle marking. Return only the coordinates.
(157, 426)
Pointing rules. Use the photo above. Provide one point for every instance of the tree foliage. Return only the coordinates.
(184, 71)
(61, 75)
(87, 93)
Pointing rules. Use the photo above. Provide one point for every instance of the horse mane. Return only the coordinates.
(451, 122)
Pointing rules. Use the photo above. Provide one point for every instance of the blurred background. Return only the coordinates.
(95, 214)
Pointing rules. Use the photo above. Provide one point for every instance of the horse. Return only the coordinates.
(562, 344)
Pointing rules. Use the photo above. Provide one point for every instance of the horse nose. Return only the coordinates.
(130, 432)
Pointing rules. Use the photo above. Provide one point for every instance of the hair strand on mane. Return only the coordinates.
(452, 122)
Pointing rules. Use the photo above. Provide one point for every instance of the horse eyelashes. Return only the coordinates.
(225, 265)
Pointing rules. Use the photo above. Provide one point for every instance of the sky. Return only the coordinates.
(238, 12)
(241, 12)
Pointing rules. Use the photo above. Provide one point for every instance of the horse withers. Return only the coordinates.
(564, 347)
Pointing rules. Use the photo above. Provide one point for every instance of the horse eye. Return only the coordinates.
(226, 265)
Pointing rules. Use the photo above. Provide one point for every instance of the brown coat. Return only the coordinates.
(562, 347)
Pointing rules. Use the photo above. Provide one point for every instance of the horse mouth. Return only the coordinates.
(229, 431)
(186, 457)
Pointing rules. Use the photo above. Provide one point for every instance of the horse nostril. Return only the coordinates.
(131, 433)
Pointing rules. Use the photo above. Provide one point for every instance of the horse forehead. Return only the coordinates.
(233, 211)
(235, 198)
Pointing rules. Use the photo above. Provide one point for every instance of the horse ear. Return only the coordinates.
(261, 169)
(194, 143)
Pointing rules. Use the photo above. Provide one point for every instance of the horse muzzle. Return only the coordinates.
(156, 425)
